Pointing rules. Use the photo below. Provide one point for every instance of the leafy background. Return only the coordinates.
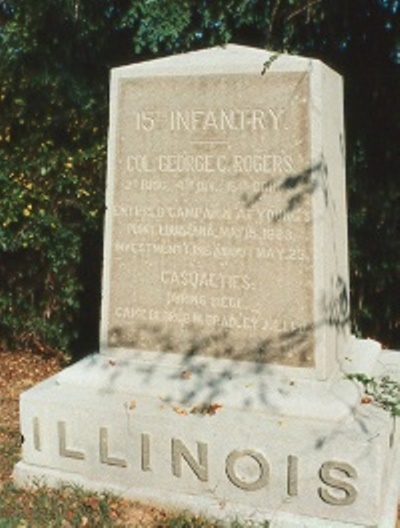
(55, 58)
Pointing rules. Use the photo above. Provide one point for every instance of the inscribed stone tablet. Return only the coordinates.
(212, 218)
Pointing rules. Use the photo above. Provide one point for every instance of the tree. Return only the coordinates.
(55, 59)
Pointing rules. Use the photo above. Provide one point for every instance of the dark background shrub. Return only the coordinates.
(55, 59)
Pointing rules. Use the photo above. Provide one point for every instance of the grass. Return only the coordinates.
(187, 521)
(9, 448)
(72, 507)
(67, 507)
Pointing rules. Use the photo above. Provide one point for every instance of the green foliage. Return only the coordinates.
(384, 391)
(52, 145)
(55, 59)
(56, 508)
(189, 521)
(72, 507)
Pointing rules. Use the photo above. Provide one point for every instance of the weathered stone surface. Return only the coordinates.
(290, 450)
(224, 235)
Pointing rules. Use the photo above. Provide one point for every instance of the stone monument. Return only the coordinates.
(220, 385)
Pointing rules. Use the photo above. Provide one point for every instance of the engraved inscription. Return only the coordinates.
(239, 481)
(219, 119)
(199, 467)
(293, 476)
(103, 449)
(145, 444)
(63, 450)
(37, 442)
(247, 470)
(140, 164)
(212, 219)
(346, 493)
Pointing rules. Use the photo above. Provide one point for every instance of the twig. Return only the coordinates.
(303, 8)
(273, 15)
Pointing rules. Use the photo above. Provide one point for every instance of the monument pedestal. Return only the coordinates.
(226, 243)
(226, 439)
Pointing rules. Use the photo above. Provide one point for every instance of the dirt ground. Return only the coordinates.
(18, 372)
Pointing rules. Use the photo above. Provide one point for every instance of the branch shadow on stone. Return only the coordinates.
(256, 361)
(298, 185)
(256, 357)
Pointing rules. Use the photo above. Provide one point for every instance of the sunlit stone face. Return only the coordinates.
(211, 217)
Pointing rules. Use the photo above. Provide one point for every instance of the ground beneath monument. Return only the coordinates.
(18, 372)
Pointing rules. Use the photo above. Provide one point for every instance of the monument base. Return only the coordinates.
(222, 442)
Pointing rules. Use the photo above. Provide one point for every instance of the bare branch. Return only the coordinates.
(273, 15)
(307, 7)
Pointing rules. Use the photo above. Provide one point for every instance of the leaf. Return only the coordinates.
(206, 409)
(366, 400)
(180, 410)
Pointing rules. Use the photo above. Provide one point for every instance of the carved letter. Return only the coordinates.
(62, 444)
(199, 468)
(145, 439)
(104, 458)
(350, 492)
(263, 465)
(276, 116)
(292, 482)
(37, 444)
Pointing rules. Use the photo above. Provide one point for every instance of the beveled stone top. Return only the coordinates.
(221, 59)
